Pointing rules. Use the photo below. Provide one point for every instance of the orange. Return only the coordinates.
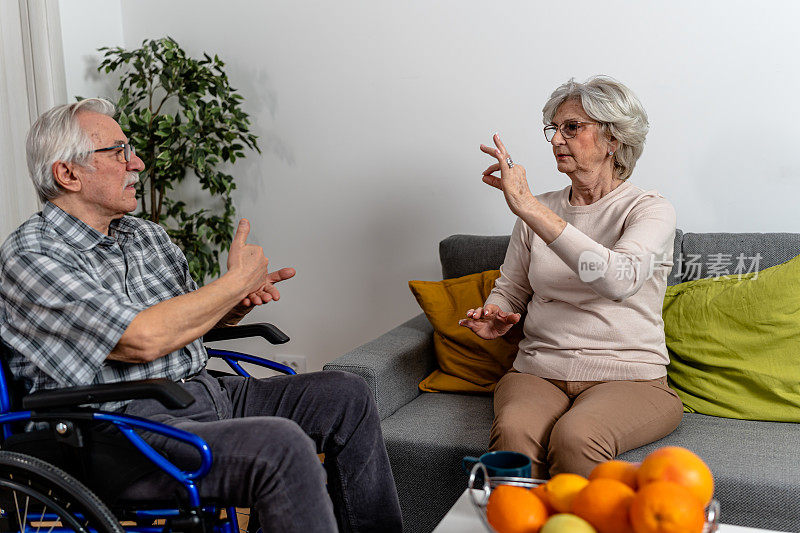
(681, 466)
(562, 489)
(541, 493)
(619, 470)
(515, 510)
(605, 503)
(666, 507)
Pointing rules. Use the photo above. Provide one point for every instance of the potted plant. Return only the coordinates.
(185, 121)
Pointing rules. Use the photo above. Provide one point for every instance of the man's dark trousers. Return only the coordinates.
(265, 434)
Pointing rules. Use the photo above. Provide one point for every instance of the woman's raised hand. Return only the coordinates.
(512, 181)
(489, 322)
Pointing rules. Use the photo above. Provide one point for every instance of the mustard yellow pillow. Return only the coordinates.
(467, 363)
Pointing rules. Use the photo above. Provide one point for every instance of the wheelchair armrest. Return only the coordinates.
(268, 331)
(234, 358)
(169, 393)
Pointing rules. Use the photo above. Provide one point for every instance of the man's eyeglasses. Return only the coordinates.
(126, 151)
(569, 129)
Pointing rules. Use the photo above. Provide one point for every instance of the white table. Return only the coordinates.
(463, 519)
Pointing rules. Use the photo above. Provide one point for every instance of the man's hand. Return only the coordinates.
(239, 257)
(266, 294)
(489, 322)
(247, 261)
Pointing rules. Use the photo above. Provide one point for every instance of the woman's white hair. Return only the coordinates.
(57, 136)
(615, 107)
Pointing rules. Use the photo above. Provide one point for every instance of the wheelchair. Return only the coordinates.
(62, 465)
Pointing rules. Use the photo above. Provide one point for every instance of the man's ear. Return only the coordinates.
(65, 177)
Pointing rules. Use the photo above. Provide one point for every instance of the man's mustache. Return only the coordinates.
(133, 178)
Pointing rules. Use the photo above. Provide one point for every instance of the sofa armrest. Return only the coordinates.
(393, 364)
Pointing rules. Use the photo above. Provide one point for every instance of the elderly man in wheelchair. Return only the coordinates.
(108, 414)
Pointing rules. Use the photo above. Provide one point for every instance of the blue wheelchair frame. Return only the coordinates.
(128, 425)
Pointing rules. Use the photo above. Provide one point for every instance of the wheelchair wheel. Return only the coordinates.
(36, 496)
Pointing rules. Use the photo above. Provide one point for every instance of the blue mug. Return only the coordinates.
(501, 464)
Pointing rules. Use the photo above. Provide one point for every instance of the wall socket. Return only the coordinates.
(296, 362)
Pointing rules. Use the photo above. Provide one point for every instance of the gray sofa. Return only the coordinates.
(756, 464)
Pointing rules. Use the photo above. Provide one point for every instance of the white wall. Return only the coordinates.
(370, 115)
(86, 26)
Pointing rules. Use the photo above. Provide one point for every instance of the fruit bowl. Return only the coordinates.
(479, 495)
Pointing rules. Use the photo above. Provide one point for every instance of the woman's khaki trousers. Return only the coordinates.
(571, 426)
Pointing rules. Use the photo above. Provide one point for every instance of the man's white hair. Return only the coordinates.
(57, 136)
(615, 107)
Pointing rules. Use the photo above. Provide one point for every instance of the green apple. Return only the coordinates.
(567, 523)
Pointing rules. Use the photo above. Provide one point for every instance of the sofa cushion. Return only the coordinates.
(467, 363)
(699, 250)
(733, 344)
(755, 467)
(675, 274)
(469, 254)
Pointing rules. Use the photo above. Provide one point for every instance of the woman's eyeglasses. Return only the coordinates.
(569, 129)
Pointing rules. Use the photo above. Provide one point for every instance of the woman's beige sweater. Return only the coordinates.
(579, 328)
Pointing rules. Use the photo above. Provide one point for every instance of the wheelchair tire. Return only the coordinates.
(30, 487)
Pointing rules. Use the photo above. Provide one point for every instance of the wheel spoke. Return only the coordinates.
(19, 518)
(25, 517)
(41, 519)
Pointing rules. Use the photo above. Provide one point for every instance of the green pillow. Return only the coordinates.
(734, 344)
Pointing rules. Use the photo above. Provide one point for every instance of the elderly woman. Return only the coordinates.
(589, 265)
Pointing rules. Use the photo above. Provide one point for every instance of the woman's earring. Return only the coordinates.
(610, 153)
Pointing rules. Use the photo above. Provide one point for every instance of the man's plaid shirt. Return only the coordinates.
(68, 293)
